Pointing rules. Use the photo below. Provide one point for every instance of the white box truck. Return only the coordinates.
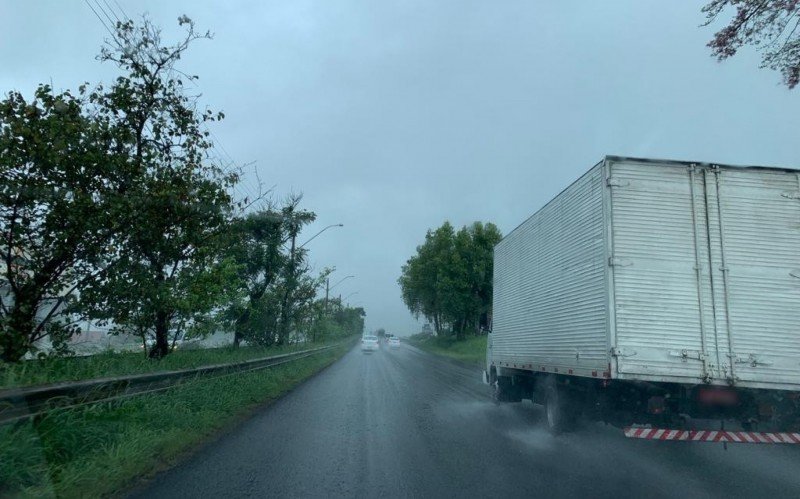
(653, 295)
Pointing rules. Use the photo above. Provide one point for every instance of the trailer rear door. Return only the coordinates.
(704, 263)
(758, 223)
(662, 305)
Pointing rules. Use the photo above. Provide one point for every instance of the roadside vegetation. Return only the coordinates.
(471, 350)
(117, 211)
(449, 280)
(449, 283)
(101, 449)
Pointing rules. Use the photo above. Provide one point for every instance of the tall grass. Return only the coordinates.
(100, 449)
(471, 350)
(51, 370)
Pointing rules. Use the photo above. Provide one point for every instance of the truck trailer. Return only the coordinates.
(659, 296)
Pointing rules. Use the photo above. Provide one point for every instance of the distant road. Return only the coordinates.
(404, 423)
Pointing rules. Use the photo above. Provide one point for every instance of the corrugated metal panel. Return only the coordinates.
(657, 303)
(550, 301)
(709, 297)
(760, 215)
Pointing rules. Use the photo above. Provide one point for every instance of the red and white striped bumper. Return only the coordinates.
(744, 437)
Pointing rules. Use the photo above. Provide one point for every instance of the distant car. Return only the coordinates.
(369, 343)
(394, 342)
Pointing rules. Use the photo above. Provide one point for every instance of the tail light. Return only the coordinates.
(656, 405)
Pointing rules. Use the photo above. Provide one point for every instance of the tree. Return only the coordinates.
(339, 322)
(256, 242)
(60, 208)
(277, 291)
(449, 280)
(770, 25)
(295, 219)
(169, 272)
(421, 280)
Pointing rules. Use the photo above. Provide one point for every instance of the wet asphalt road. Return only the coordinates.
(404, 423)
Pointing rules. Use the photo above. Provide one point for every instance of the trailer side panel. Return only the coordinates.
(550, 299)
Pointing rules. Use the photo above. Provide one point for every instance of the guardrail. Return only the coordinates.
(26, 402)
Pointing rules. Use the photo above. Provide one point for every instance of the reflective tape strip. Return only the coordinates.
(746, 437)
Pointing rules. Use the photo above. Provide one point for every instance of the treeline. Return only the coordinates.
(449, 280)
(113, 210)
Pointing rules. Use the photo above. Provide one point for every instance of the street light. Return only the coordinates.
(292, 278)
(328, 288)
(320, 232)
(348, 296)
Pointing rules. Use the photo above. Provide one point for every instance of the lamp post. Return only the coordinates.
(328, 288)
(348, 296)
(290, 287)
(320, 232)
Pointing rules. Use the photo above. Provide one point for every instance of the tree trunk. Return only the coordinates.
(238, 328)
(15, 342)
(161, 347)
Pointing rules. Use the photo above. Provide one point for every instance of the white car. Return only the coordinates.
(369, 343)
(394, 342)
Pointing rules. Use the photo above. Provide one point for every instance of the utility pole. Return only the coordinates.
(284, 329)
(327, 290)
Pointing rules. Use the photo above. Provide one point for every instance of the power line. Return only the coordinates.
(112, 11)
(226, 168)
(121, 10)
(100, 19)
(97, 2)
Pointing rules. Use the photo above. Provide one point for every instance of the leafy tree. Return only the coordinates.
(277, 291)
(770, 25)
(337, 322)
(256, 246)
(60, 209)
(169, 271)
(422, 279)
(296, 282)
(449, 280)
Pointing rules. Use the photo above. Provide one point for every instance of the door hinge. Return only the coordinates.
(619, 262)
(791, 194)
(795, 273)
(617, 182)
(688, 354)
(752, 361)
(622, 352)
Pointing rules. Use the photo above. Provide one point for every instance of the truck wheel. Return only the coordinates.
(559, 412)
(503, 390)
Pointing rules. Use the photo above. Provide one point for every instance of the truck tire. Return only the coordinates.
(503, 390)
(560, 413)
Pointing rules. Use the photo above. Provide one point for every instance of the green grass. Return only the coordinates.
(471, 350)
(36, 372)
(101, 449)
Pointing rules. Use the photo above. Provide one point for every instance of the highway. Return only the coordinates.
(405, 423)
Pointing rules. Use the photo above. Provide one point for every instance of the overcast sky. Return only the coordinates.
(391, 117)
